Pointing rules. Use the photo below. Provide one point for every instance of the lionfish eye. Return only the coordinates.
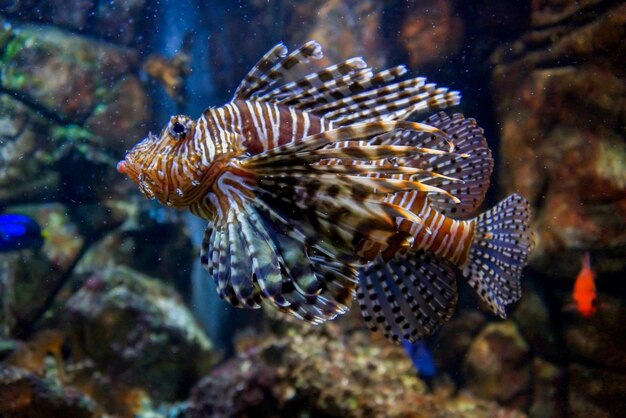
(178, 128)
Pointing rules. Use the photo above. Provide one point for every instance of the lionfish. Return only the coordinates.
(319, 189)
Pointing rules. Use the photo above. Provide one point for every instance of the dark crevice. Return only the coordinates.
(5, 46)
(25, 330)
(540, 38)
(23, 11)
(38, 108)
(91, 15)
(53, 115)
(21, 129)
(583, 16)
(540, 200)
(33, 16)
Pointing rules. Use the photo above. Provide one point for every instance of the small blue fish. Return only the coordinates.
(19, 232)
(421, 358)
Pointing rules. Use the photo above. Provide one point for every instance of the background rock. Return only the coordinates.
(431, 31)
(26, 161)
(598, 340)
(548, 396)
(497, 365)
(117, 21)
(325, 372)
(22, 394)
(345, 28)
(138, 331)
(571, 167)
(60, 73)
(36, 276)
(452, 342)
(595, 392)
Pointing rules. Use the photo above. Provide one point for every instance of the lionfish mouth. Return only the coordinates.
(122, 167)
(127, 168)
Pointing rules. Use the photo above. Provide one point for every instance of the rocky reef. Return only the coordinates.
(98, 321)
(331, 371)
(563, 129)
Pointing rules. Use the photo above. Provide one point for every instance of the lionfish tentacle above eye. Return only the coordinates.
(318, 190)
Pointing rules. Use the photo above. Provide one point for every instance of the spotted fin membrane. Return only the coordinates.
(408, 297)
(502, 243)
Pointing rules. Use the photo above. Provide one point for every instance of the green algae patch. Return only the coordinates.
(6, 34)
(64, 73)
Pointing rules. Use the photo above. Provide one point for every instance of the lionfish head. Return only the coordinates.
(165, 166)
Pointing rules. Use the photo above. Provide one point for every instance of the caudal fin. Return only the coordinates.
(502, 243)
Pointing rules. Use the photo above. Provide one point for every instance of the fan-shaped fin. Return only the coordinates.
(315, 287)
(409, 296)
(471, 173)
(502, 243)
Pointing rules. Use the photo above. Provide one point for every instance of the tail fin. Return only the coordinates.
(502, 243)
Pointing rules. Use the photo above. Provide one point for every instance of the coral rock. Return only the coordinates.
(83, 70)
(451, 343)
(325, 372)
(595, 393)
(548, 399)
(344, 28)
(122, 115)
(138, 330)
(34, 277)
(25, 395)
(599, 339)
(497, 365)
(537, 324)
(431, 32)
(117, 21)
(26, 157)
(570, 166)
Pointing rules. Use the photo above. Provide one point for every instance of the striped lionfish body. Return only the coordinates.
(319, 190)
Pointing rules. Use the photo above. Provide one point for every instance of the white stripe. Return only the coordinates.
(272, 122)
(453, 231)
(216, 204)
(444, 241)
(237, 124)
(276, 126)
(410, 203)
(434, 231)
(462, 242)
(208, 142)
(264, 134)
(255, 123)
(307, 124)
(294, 123)
(222, 116)
(419, 228)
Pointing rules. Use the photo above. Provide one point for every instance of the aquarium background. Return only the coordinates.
(114, 315)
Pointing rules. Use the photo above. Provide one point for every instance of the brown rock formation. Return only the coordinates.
(560, 99)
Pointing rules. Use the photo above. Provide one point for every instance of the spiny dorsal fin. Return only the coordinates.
(274, 66)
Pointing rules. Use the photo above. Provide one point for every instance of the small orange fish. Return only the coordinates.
(584, 293)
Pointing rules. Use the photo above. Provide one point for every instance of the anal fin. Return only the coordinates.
(408, 297)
